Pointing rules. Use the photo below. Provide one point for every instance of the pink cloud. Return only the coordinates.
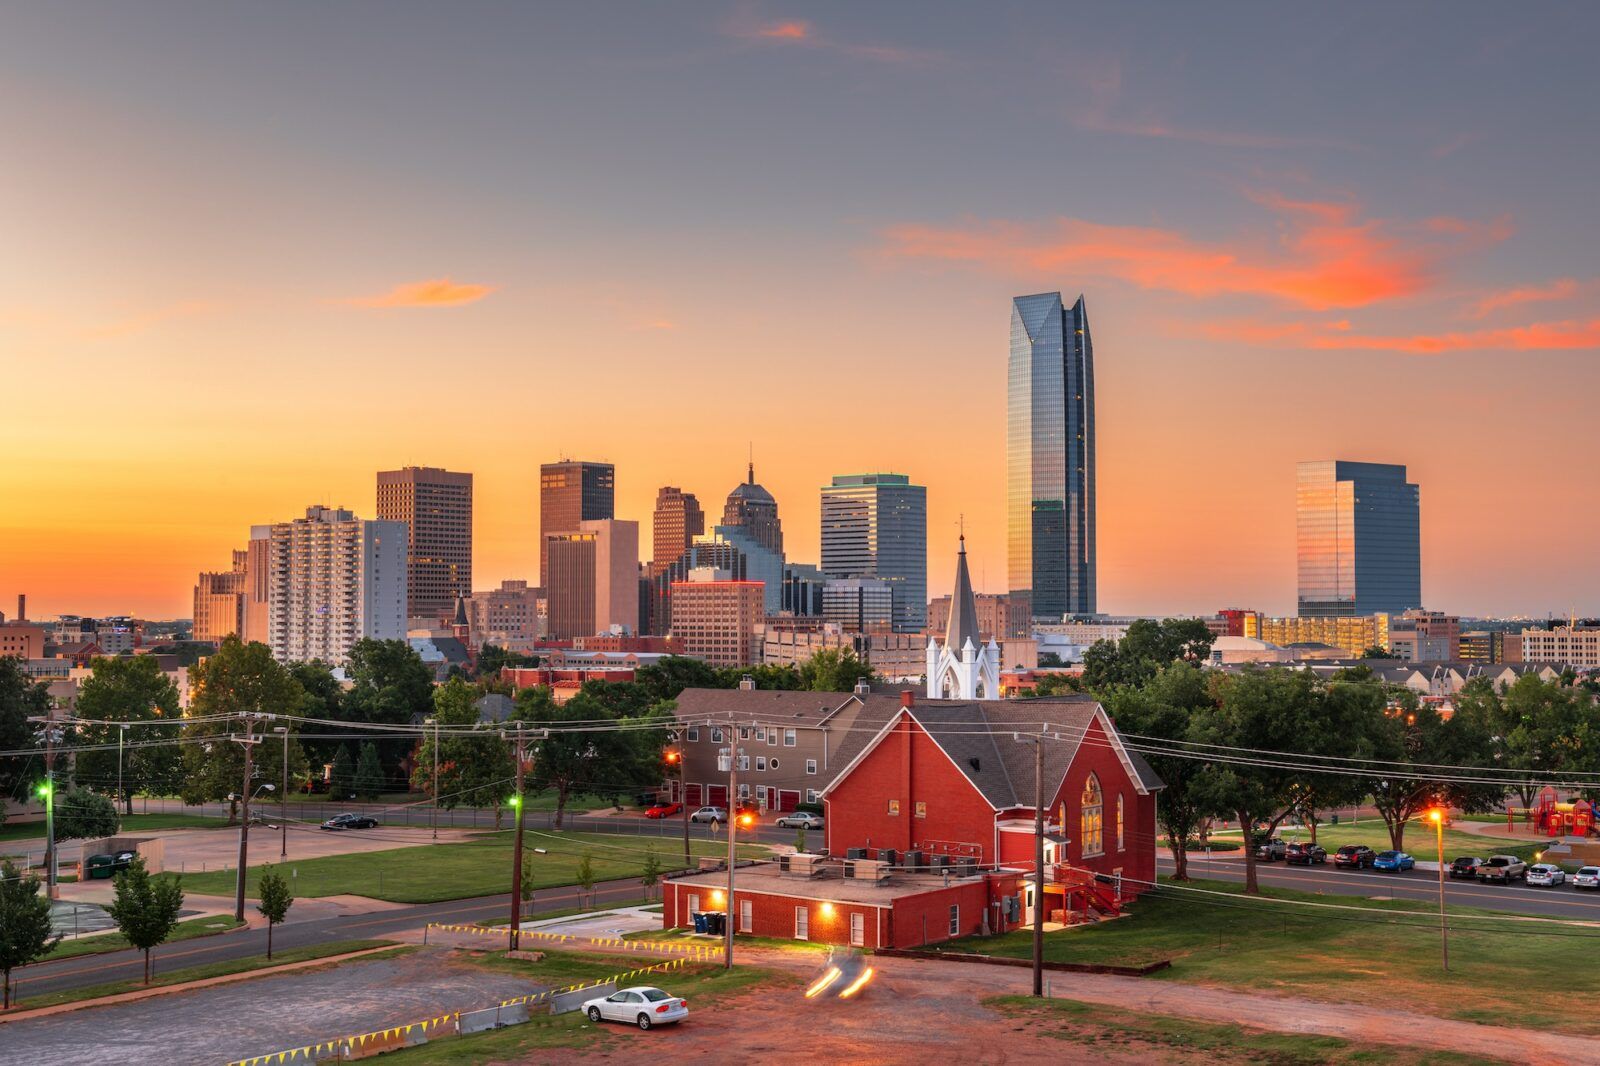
(437, 292)
(1560, 289)
(1336, 336)
(786, 31)
(1325, 255)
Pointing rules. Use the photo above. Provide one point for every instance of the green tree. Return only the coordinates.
(240, 679)
(833, 670)
(651, 875)
(85, 815)
(586, 876)
(1409, 733)
(369, 773)
(342, 775)
(21, 698)
(1540, 728)
(1056, 685)
(474, 770)
(492, 659)
(145, 908)
(1145, 648)
(391, 685)
(129, 690)
(24, 923)
(323, 699)
(275, 901)
(573, 762)
(1377, 651)
(665, 678)
(1166, 708)
(1048, 659)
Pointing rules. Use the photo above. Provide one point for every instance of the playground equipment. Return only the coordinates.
(1558, 818)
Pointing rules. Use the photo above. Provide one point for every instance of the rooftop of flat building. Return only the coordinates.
(769, 879)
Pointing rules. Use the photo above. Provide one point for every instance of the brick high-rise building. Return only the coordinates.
(436, 506)
(715, 617)
(678, 520)
(572, 492)
(333, 579)
(508, 616)
(592, 581)
(752, 507)
(219, 601)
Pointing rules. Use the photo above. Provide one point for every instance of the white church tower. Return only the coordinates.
(964, 668)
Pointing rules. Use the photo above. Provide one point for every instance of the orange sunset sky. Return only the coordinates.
(252, 256)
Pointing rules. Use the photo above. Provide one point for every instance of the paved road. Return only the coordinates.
(1561, 902)
(66, 974)
(261, 1016)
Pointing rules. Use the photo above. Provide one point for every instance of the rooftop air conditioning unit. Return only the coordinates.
(941, 862)
(855, 853)
(888, 856)
(916, 860)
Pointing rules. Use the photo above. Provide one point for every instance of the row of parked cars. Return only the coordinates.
(792, 820)
(1501, 869)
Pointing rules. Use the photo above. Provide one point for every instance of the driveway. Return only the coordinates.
(227, 1022)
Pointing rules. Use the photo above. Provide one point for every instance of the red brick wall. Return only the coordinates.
(773, 916)
(1137, 859)
(928, 914)
(910, 767)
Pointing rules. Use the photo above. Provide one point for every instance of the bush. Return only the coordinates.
(808, 808)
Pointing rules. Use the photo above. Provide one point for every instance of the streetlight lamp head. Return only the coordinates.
(44, 790)
(1435, 815)
(270, 788)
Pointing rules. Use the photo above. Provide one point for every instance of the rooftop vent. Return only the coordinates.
(976, 766)
(747, 683)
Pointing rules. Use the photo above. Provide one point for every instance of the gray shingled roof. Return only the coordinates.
(766, 706)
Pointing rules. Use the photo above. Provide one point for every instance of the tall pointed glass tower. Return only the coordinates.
(1050, 454)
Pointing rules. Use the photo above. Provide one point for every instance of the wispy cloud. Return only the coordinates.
(1560, 289)
(1325, 256)
(437, 292)
(1337, 336)
(746, 26)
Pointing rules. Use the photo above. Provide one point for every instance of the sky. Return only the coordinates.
(253, 253)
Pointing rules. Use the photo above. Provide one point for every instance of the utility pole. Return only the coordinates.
(122, 732)
(434, 721)
(48, 793)
(516, 844)
(733, 753)
(1038, 739)
(283, 797)
(249, 743)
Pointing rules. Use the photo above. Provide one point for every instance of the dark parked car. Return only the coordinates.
(1465, 868)
(1305, 854)
(1356, 856)
(350, 821)
(1271, 850)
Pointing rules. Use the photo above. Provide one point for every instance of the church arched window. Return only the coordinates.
(1091, 818)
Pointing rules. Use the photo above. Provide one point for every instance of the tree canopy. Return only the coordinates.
(1145, 648)
(129, 690)
(239, 679)
(25, 933)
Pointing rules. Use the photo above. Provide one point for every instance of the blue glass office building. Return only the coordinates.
(1358, 539)
(1050, 457)
(876, 525)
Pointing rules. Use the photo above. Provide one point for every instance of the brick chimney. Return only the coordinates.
(908, 698)
(22, 606)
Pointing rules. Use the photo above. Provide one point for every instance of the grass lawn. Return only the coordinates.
(1381, 953)
(704, 986)
(198, 973)
(478, 867)
(1108, 1030)
(100, 943)
(1419, 840)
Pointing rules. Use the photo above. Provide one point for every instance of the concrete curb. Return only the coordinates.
(185, 986)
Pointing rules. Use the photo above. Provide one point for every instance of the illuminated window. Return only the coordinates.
(1119, 821)
(922, 809)
(802, 923)
(1091, 833)
(894, 807)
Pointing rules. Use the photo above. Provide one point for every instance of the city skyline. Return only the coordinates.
(1344, 266)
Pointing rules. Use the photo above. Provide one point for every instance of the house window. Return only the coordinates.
(744, 762)
(694, 904)
(802, 924)
(788, 738)
(761, 762)
(744, 732)
(761, 795)
(772, 736)
(772, 763)
(858, 930)
(811, 766)
(1091, 833)
(716, 736)
(1119, 821)
(747, 920)
(761, 734)
(955, 920)
(922, 809)
(811, 795)
(894, 807)
(694, 736)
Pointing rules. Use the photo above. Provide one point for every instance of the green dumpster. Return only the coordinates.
(101, 867)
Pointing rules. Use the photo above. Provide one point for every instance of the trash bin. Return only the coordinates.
(101, 867)
(700, 921)
(1335, 817)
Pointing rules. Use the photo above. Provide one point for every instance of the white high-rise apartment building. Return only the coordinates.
(332, 580)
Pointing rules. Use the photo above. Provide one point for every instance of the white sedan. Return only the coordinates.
(1545, 874)
(1588, 877)
(642, 1006)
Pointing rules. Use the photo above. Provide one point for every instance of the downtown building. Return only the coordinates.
(572, 492)
(511, 617)
(436, 507)
(876, 526)
(332, 579)
(1357, 539)
(715, 618)
(592, 579)
(219, 601)
(1050, 458)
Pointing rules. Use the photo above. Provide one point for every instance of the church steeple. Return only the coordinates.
(963, 607)
(964, 668)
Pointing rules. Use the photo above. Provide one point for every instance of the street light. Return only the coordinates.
(47, 792)
(1436, 816)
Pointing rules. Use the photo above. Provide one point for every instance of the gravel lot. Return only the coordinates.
(215, 1025)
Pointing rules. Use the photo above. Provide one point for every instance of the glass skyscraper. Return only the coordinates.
(876, 525)
(1050, 453)
(1358, 539)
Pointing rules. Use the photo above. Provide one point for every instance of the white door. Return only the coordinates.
(746, 917)
(858, 930)
(1027, 904)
